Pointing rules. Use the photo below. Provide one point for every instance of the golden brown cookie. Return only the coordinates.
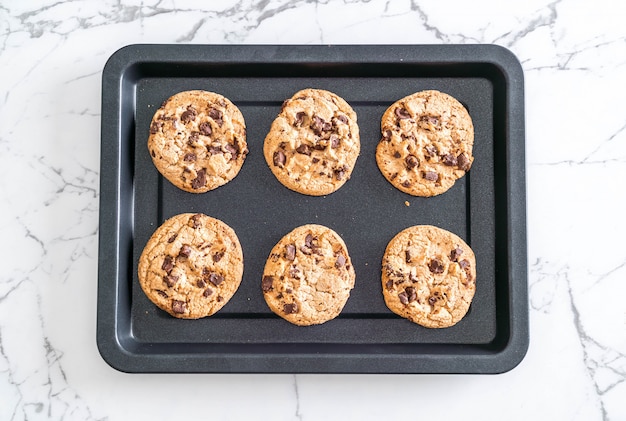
(313, 143)
(429, 276)
(191, 266)
(198, 140)
(308, 276)
(426, 144)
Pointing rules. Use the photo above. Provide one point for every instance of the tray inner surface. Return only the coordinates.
(367, 211)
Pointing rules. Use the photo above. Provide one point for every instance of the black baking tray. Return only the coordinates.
(486, 208)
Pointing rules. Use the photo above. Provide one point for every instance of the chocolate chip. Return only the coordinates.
(464, 264)
(178, 307)
(431, 150)
(389, 284)
(334, 141)
(411, 294)
(267, 283)
(407, 256)
(220, 298)
(216, 115)
(308, 240)
(200, 283)
(161, 293)
(450, 160)
(193, 138)
(341, 261)
(290, 252)
(319, 126)
(431, 176)
(188, 115)
(406, 183)
(217, 256)
(279, 158)
(404, 299)
(342, 118)
(299, 119)
(170, 280)
(411, 162)
(304, 149)
(205, 128)
(215, 149)
(387, 135)
(432, 300)
(315, 160)
(200, 179)
(195, 220)
(454, 254)
(463, 162)
(168, 264)
(290, 308)
(340, 173)
(207, 292)
(233, 150)
(214, 278)
(402, 113)
(397, 154)
(185, 251)
(436, 266)
(320, 146)
(155, 127)
(189, 157)
(172, 238)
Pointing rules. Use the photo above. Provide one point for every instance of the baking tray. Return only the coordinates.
(486, 208)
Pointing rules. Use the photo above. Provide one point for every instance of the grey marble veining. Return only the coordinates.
(52, 54)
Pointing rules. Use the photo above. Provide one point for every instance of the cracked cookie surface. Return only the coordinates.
(198, 140)
(313, 143)
(426, 145)
(308, 276)
(191, 266)
(428, 276)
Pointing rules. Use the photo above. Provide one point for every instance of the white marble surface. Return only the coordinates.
(51, 59)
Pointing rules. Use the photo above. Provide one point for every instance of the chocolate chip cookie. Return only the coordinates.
(191, 266)
(308, 276)
(426, 144)
(429, 276)
(313, 143)
(198, 140)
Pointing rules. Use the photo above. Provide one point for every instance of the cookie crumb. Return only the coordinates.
(407, 203)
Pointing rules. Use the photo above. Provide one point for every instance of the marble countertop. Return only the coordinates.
(52, 54)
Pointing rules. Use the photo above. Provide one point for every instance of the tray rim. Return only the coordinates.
(122, 354)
